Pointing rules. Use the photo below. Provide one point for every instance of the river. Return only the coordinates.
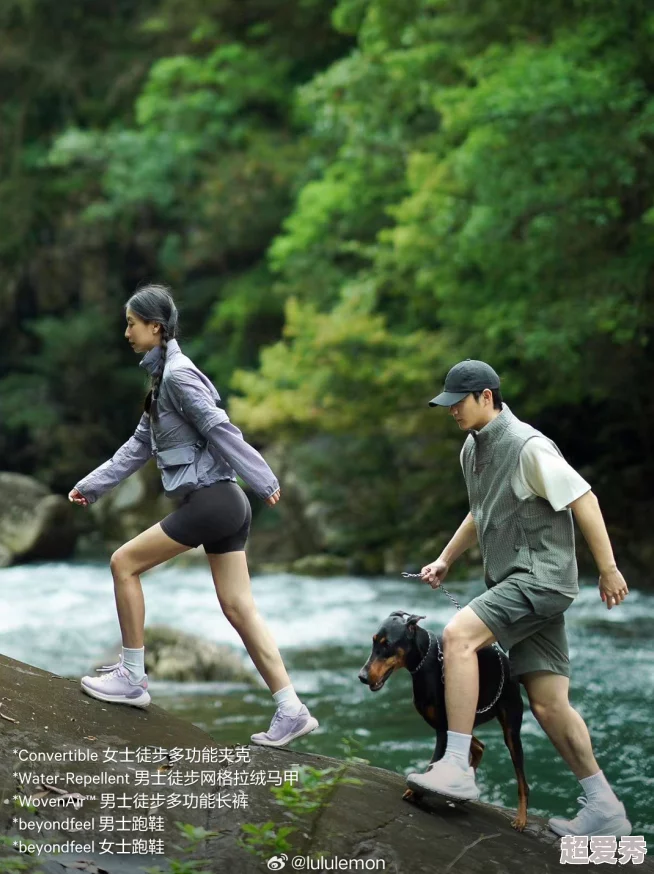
(61, 617)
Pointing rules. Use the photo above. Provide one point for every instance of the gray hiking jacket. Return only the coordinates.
(193, 441)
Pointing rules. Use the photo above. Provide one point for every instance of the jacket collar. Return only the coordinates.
(487, 438)
(151, 359)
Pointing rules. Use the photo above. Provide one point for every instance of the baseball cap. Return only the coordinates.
(465, 377)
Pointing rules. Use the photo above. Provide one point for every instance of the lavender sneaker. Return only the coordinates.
(117, 687)
(283, 728)
(106, 668)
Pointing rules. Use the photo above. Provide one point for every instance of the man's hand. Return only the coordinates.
(588, 515)
(272, 500)
(613, 588)
(435, 573)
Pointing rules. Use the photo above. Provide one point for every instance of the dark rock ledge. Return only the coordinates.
(365, 822)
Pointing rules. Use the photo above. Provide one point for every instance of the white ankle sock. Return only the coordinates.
(134, 661)
(597, 789)
(458, 748)
(287, 701)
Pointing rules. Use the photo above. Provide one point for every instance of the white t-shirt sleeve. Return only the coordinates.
(542, 471)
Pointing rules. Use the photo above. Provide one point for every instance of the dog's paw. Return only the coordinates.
(409, 795)
(519, 823)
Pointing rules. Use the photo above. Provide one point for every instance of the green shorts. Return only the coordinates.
(527, 620)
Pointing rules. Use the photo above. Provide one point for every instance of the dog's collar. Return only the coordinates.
(424, 658)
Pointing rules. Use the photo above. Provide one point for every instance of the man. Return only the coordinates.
(523, 496)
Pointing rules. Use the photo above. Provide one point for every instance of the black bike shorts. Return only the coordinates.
(217, 517)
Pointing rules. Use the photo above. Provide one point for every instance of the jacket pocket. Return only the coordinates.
(177, 456)
(178, 470)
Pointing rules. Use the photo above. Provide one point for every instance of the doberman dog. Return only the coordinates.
(401, 643)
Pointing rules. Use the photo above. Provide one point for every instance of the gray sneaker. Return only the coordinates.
(283, 729)
(594, 819)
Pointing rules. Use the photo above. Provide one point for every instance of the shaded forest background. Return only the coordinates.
(347, 198)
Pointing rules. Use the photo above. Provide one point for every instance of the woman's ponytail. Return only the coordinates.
(154, 303)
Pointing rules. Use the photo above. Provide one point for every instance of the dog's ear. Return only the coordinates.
(412, 622)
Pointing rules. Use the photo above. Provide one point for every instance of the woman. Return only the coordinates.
(198, 452)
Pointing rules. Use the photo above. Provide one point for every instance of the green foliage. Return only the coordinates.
(488, 196)
(190, 110)
(349, 197)
(185, 180)
(192, 837)
(265, 839)
(58, 402)
(313, 794)
(527, 200)
(17, 863)
(316, 789)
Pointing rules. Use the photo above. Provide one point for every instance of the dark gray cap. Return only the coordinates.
(465, 377)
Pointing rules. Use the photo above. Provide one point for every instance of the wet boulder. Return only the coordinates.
(35, 525)
(175, 655)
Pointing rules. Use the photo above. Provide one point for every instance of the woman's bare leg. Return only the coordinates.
(140, 554)
(232, 581)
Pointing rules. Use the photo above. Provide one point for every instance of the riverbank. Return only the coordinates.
(62, 618)
(46, 714)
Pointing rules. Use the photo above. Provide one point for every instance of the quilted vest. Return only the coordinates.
(522, 540)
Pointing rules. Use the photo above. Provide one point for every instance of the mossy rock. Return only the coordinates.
(35, 525)
(176, 655)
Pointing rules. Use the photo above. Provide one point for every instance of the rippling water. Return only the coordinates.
(61, 617)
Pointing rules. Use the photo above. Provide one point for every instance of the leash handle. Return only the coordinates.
(419, 577)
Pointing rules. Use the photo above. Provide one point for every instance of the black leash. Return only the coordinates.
(440, 652)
